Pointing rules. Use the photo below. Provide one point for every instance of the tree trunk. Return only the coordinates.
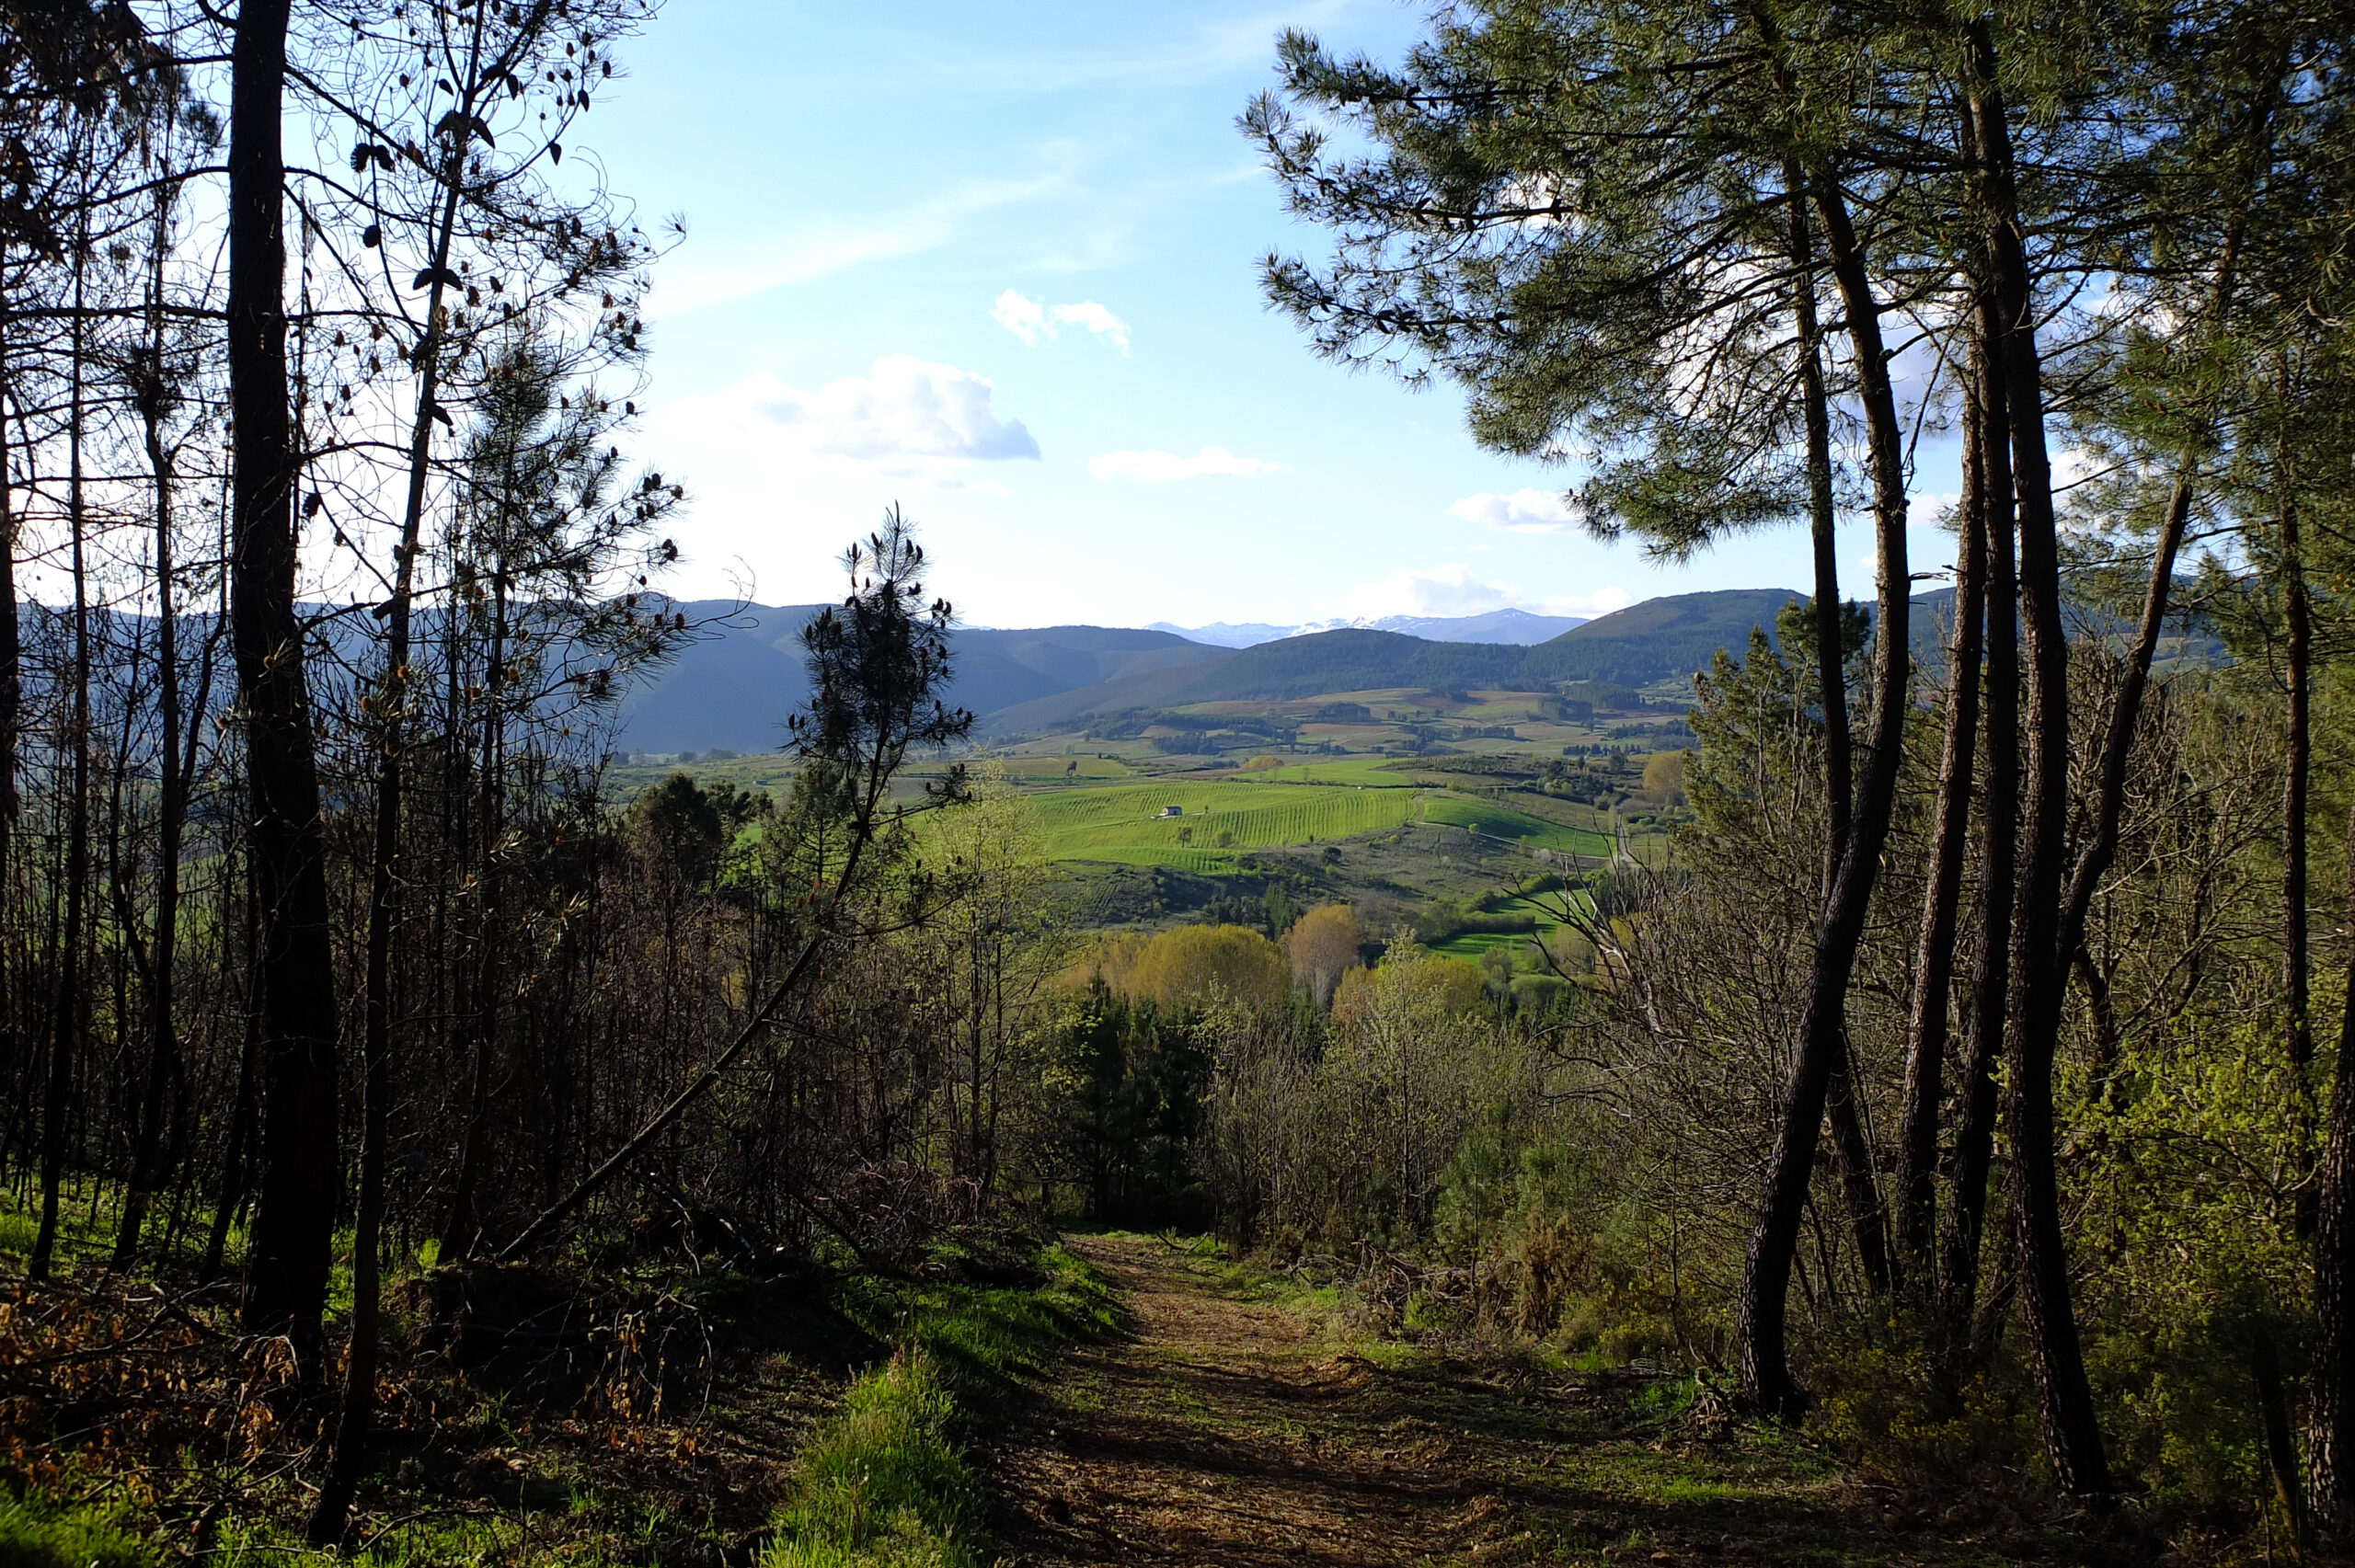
(2331, 1439)
(293, 1230)
(1927, 1025)
(65, 1001)
(1974, 1134)
(2297, 651)
(171, 808)
(1767, 1275)
(2047, 1314)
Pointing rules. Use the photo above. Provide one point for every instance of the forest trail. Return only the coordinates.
(1224, 1433)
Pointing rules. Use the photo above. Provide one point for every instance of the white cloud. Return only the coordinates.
(1523, 511)
(743, 265)
(1456, 590)
(1107, 327)
(1026, 319)
(905, 408)
(2074, 465)
(1035, 322)
(1163, 467)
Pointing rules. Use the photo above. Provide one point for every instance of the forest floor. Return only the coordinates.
(1228, 1428)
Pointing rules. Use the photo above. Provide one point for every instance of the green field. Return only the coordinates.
(1121, 823)
(1500, 822)
(1368, 772)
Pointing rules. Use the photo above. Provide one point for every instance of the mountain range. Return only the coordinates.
(734, 685)
(1496, 627)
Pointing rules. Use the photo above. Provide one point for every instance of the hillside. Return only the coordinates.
(1519, 626)
(733, 686)
(1663, 639)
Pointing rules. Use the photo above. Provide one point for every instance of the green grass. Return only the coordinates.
(1370, 773)
(37, 1532)
(885, 1482)
(1500, 822)
(1473, 944)
(1121, 823)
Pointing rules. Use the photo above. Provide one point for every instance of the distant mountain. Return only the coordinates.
(1662, 639)
(1496, 627)
(1228, 634)
(734, 685)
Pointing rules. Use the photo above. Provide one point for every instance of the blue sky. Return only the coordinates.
(999, 264)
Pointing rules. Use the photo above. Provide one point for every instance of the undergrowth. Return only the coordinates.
(884, 1484)
(39, 1533)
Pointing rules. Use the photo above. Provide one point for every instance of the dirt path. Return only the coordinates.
(1219, 1433)
(1222, 1434)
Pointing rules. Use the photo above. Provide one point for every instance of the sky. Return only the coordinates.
(999, 264)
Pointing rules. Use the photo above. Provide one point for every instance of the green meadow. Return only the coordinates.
(1221, 819)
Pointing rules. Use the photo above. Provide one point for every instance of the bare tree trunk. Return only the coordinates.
(2072, 1435)
(11, 721)
(292, 1252)
(162, 955)
(1852, 1150)
(2297, 625)
(1975, 1135)
(65, 1002)
(1761, 1312)
(2330, 1436)
(1927, 1025)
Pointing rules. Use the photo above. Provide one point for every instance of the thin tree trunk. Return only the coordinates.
(163, 1039)
(332, 1509)
(2047, 1314)
(2330, 1436)
(291, 1253)
(1761, 1310)
(2297, 625)
(65, 1002)
(11, 719)
(1852, 1150)
(1974, 1134)
(1928, 1024)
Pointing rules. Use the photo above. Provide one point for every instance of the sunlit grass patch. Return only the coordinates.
(883, 1482)
(39, 1533)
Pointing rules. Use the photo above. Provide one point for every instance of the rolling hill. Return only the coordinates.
(1662, 639)
(1519, 626)
(734, 685)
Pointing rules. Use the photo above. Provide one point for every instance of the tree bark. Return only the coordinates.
(2297, 651)
(1974, 1134)
(65, 1003)
(2047, 1314)
(1761, 1310)
(2330, 1437)
(151, 394)
(291, 1252)
(1928, 1024)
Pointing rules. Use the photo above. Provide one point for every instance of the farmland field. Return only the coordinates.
(1371, 772)
(1500, 822)
(1121, 823)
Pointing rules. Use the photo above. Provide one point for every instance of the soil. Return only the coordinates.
(1223, 1430)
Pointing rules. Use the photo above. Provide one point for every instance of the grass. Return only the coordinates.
(40, 1532)
(1501, 822)
(884, 1484)
(1367, 772)
(1223, 819)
